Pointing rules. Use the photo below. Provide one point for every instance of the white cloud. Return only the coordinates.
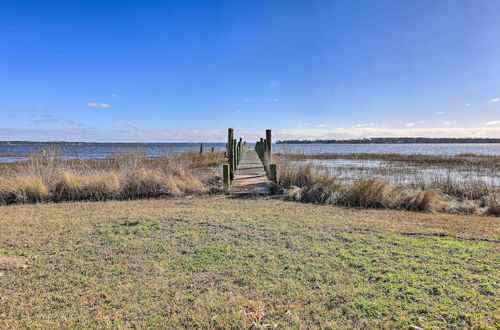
(321, 125)
(410, 125)
(272, 84)
(275, 100)
(363, 125)
(353, 133)
(447, 123)
(141, 134)
(495, 100)
(441, 112)
(237, 110)
(98, 105)
(115, 95)
(467, 104)
(494, 122)
(250, 100)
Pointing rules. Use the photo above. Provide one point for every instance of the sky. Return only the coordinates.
(185, 71)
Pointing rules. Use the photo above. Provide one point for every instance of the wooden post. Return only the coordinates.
(238, 152)
(226, 177)
(201, 148)
(273, 173)
(230, 135)
(269, 146)
(212, 149)
(240, 144)
(235, 163)
(273, 177)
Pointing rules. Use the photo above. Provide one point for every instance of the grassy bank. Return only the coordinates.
(51, 178)
(244, 263)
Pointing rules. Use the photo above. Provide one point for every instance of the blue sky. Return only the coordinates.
(171, 71)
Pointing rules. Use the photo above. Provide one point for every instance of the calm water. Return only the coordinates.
(10, 153)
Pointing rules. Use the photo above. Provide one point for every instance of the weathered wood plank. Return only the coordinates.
(250, 177)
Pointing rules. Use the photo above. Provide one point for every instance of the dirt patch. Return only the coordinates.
(8, 263)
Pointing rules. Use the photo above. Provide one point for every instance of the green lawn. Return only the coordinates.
(245, 263)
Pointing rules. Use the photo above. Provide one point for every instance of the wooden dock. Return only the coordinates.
(249, 172)
(250, 176)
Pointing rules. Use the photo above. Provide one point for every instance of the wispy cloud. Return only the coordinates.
(74, 123)
(494, 122)
(321, 125)
(410, 125)
(447, 123)
(353, 133)
(237, 110)
(250, 100)
(44, 121)
(275, 100)
(495, 100)
(115, 96)
(131, 133)
(272, 84)
(363, 125)
(98, 105)
(440, 112)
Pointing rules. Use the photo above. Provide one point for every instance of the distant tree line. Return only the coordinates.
(388, 140)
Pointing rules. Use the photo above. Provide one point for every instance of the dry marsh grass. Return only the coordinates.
(49, 177)
(466, 159)
(306, 182)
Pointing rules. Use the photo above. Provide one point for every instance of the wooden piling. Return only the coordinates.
(269, 146)
(235, 163)
(201, 148)
(226, 177)
(273, 177)
(230, 137)
(273, 173)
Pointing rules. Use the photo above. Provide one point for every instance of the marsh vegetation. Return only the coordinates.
(461, 184)
(465, 183)
(50, 177)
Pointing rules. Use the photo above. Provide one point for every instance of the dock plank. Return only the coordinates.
(250, 177)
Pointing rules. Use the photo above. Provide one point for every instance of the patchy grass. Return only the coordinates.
(226, 263)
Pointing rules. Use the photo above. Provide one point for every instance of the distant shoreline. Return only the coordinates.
(403, 140)
(406, 140)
